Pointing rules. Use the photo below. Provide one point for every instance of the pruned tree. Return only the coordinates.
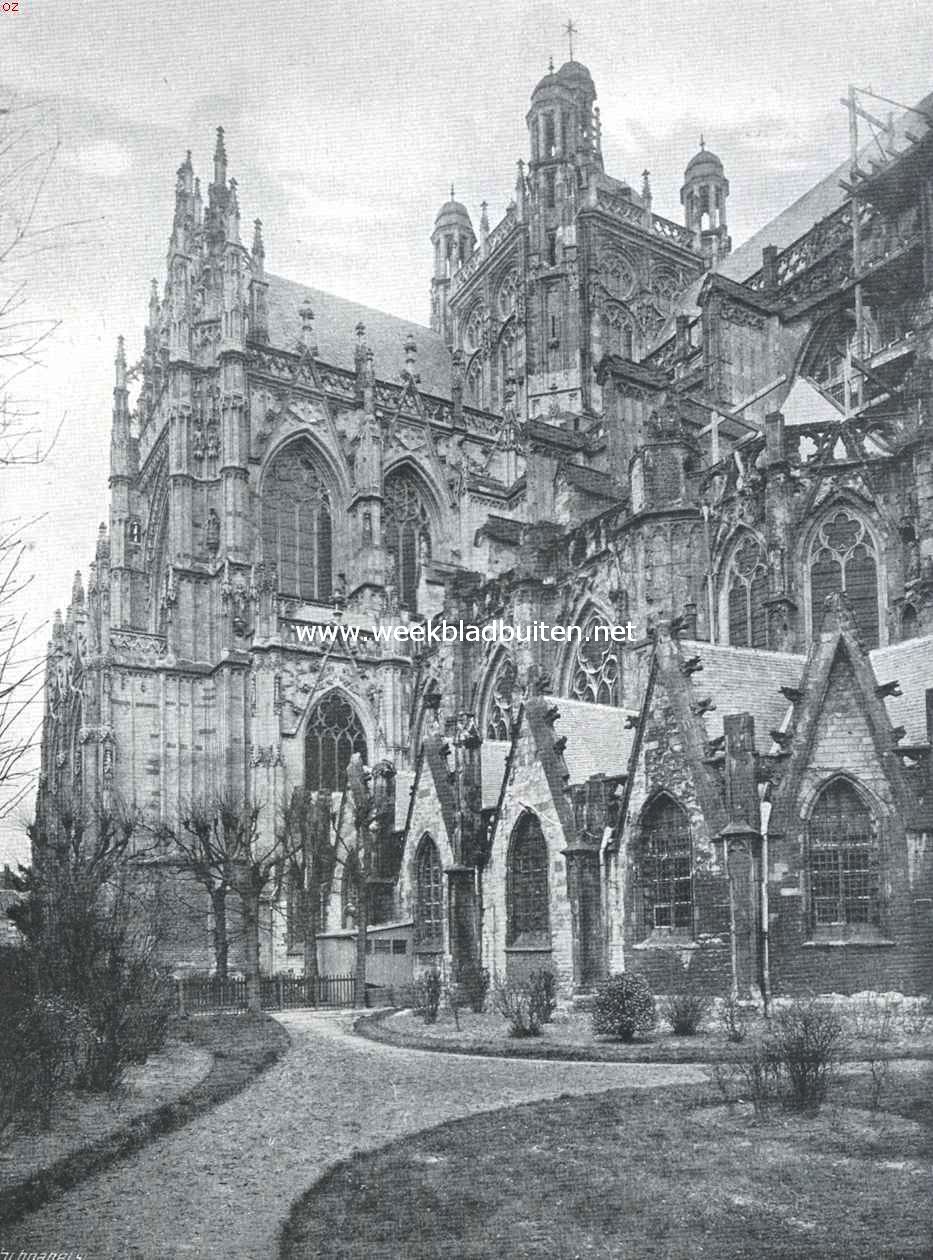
(310, 837)
(201, 846)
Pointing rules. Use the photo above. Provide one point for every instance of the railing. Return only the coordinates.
(195, 995)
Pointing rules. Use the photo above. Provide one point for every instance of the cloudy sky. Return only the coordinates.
(346, 122)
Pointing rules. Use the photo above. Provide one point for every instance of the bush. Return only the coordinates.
(516, 1002)
(428, 994)
(542, 987)
(623, 1007)
(807, 1040)
(733, 1017)
(685, 1012)
(474, 981)
(43, 1053)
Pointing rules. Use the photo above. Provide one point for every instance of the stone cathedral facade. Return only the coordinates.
(613, 420)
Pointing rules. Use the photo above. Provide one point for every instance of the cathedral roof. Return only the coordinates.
(911, 663)
(705, 162)
(335, 321)
(453, 212)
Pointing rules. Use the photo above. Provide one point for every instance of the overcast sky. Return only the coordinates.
(347, 121)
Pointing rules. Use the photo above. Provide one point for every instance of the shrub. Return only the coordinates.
(542, 987)
(474, 981)
(733, 1017)
(807, 1041)
(515, 1001)
(685, 1012)
(624, 1007)
(44, 1052)
(428, 992)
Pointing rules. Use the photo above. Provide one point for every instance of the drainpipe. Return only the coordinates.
(765, 931)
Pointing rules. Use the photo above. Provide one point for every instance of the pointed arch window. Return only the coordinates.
(842, 559)
(666, 867)
(499, 714)
(527, 886)
(842, 860)
(747, 586)
(407, 533)
(595, 673)
(429, 897)
(620, 332)
(334, 733)
(297, 525)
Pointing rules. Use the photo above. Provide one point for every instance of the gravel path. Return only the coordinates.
(223, 1185)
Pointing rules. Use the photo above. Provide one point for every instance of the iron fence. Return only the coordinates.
(277, 993)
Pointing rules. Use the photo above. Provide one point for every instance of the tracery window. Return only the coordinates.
(476, 384)
(429, 896)
(595, 674)
(619, 276)
(666, 867)
(842, 558)
(473, 329)
(842, 859)
(334, 733)
(620, 332)
(297, 531)
(508, 294)
(528, 907)
(499, 716)
(747, 586)
(407, 533)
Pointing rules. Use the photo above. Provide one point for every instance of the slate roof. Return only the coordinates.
(744, 680)
(335, 321)
(597, 739)
(911, 663)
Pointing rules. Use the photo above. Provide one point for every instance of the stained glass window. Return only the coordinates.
(666, 867)
(528, 907)
(499, 715)
(297, 531)
(429, 904)
(595, 675)
(842, 859)
(842, 558)
(333, 734)
(407, 533)
(748, 589)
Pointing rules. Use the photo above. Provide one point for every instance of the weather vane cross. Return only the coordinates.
(571, 30)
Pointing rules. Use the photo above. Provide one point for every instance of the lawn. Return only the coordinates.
(641, 1175)
(206, 1061)
(570, 1036)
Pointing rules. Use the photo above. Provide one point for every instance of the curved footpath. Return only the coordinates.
(224, 1184)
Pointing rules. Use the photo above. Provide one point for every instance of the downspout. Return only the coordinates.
(764, 917)
(710, 602)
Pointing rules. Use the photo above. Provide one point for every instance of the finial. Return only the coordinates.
(154, 302)
(646, 184)
(77, 590)
(120, 364)
(570, 31)
(411, 348)
(259, 249)
(484, 218)
(550, 65)
(306, 311)
(220, 158)
(451, 192)
(702, 142)
(360, 332)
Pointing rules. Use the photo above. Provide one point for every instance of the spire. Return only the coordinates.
(484, 221)
(220, 159)
(259, 249)
(120, 365)
(77, 591)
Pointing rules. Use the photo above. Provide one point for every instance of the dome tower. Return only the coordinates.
(454, 240)
(703, 197)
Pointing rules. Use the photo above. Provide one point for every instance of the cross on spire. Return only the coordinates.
(570, 30)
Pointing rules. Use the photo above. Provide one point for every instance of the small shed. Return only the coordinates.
(388, 953)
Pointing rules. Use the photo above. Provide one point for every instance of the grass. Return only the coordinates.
(570, 1036)
(242, 1046)
(642, 1176)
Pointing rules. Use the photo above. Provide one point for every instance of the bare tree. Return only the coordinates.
(311, 838)
(201, 846)
(21, 675)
